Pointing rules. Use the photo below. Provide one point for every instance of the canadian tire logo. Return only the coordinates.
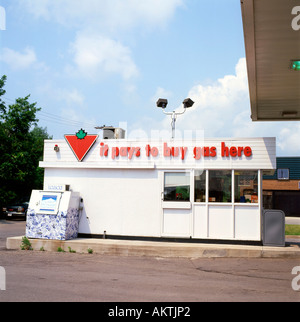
(81, 143)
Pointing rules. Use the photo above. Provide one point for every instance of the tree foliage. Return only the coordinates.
(21, 148)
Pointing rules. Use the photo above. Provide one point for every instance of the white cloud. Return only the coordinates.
(69, 97)
(288, 138)
(77, 118)
(68, 109)
(96, 55)
(161, 93)
(17, 60)
(112, 14)
(98, 48)
(218, 105)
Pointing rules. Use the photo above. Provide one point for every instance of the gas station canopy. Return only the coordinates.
(272, 43)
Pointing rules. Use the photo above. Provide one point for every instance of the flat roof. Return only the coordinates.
(272, 41)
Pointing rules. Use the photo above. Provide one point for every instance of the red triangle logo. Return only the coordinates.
(81, 143)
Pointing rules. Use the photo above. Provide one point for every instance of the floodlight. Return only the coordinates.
(188, 103)
(162, 103)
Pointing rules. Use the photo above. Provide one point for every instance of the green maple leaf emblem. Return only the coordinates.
(81, 134)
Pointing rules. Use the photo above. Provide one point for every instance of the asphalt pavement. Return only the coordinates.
(42, 276)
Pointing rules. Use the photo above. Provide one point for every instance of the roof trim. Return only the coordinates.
(247, 6)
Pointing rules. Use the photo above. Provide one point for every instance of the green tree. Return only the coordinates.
(2, 92)
(21, 148)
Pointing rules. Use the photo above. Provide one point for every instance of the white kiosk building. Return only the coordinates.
(200, 190)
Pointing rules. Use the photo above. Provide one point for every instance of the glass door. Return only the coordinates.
(176, 204)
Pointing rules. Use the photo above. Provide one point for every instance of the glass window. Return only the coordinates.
(200, 185)
(283, 174)
(177, 186)
(220, 186)
(246, 186)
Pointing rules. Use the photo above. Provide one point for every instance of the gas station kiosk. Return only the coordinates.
(208, 189)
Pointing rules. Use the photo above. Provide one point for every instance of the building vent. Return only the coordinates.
(112, 133)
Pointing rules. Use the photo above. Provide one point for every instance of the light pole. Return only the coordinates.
(162, 103)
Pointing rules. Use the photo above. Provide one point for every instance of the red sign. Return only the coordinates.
(80, 143)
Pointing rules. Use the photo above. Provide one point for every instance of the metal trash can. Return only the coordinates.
(273, 228)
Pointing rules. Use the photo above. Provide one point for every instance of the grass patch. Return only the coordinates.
(71, 250)
(293, 230)
(26, 245)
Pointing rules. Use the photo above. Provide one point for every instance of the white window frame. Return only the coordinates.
(281, 171)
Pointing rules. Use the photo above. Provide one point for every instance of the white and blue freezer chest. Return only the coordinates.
(53, 215)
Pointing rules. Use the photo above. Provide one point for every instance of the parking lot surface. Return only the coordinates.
(38, 276)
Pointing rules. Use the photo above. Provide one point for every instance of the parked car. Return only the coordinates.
(19, 209)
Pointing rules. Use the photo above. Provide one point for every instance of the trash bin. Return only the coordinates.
(273, 228)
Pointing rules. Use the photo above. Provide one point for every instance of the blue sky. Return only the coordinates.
(96, 62)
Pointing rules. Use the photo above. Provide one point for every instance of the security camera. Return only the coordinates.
(188, 103)
(162, 103)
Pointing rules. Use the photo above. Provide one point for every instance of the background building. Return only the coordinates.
(282, 190)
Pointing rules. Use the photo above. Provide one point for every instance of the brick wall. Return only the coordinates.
(281, 185)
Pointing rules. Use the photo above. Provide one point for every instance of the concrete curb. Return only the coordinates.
(292, 237)
(158, 249)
